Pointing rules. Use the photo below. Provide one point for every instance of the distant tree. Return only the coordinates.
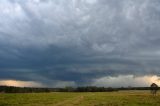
(69, 89)
(154, 88)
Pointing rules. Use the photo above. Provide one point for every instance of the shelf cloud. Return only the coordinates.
(77, 42)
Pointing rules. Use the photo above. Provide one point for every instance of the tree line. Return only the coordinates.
(11, 89)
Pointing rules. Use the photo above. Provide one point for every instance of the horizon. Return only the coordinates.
(74, 87)
(58, 43)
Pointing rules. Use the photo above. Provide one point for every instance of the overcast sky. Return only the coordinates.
(57, 43)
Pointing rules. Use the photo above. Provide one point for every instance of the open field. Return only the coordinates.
(121, 98)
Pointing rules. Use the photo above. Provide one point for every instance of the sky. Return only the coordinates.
(58, 43)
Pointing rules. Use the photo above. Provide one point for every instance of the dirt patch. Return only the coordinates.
(71, 102)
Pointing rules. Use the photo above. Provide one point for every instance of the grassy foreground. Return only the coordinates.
(121, 98)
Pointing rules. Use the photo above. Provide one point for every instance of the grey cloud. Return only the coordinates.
(78, 40)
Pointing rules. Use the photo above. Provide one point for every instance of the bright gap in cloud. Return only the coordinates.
(20, 83)
(128, 80)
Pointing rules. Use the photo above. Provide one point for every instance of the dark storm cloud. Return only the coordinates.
(78, 40)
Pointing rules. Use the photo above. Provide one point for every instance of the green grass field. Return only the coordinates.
(121, 98)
